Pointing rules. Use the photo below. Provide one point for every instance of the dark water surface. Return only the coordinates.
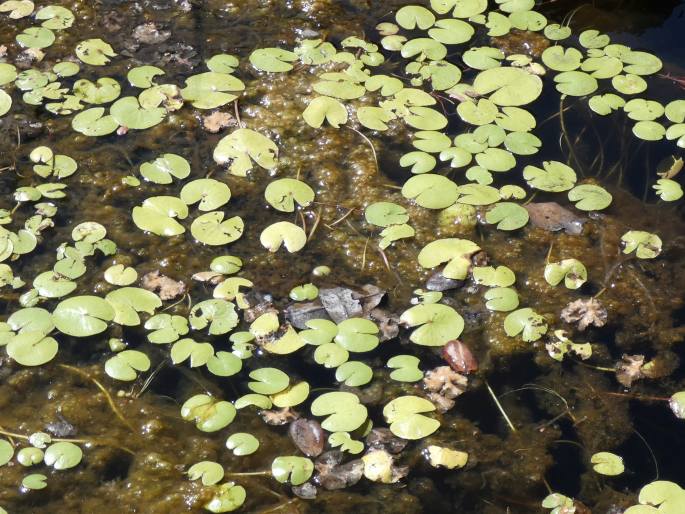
(139, 466)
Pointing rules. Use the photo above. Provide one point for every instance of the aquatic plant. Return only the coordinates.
(466, 108)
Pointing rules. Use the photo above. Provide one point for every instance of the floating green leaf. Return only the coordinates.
(208, 414)
(211, 89)
(572, 271)
(502, 299)
(125, 365)
(455, 252)
(437, 324)
(95, 52)
(508, 86)
(209, 472)
(296, 470)
(590, 197)
(669, 190)
(243, 146)
(283, 233)
(645, 244)
(606, 463)
(63, 455)
(555, 177)
(242, 443)
(345, 412)
(405, 368)
(405, 415)
(218, 314)
(531, 325)
(83, 316)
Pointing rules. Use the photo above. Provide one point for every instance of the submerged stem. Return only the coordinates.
(499, 406)
(104, 391)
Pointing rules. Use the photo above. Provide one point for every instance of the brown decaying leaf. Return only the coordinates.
(278, 417)
(216, 121)
(340, 303)
(459, 357)
(332, 475)
(444, 385)
(438, 282)
(167, 288)
(148, 33)
(211, 277)
(628, 369)
(383, 438)
(308, 436)
(586, 312)
(552, 217)
(306, 491)
(299, 313)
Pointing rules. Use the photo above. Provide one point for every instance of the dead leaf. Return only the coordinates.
(382, 438)
(167, 288)
(299, 313)
(673, 170)
(444, 385)
(308, 436)
(340, 303)
(149, 34)
(389, 324)
(628, 369)
(586, 312)
(370, 297)
(552, 217)
(3, 51)
(216, 121)
(279, 417)
(211, 277)
(439, 282)
(306, 491)
(459, 357)
(342, 475)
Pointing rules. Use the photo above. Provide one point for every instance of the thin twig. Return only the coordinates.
(373, 150)
(104, 391)
(499, 406)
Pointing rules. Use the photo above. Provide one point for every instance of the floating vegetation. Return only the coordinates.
(349, 235)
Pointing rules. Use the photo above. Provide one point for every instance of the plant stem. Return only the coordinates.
(110, 401)
(499, 406)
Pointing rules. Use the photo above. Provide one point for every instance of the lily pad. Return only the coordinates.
(243, 146)
(572, 271)
(242, 443)
(437, 324)
(431, 191)
(405, 415)
(125, 365)
(211, 89)
(606, 463)
(296, 470)
(63, 455)
(83, 316)
(508, 86)
(645, 244)
(455, 252)
(343, 410)
(95, 52)
(164, 168)
(208, 414)
(590, 197)
(283, 233)
(526, 322)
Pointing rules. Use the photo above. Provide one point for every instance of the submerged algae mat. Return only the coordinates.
(350, 256)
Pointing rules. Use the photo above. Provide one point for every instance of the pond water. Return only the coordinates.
(493, 285)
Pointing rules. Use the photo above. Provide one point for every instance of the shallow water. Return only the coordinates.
(138, 464)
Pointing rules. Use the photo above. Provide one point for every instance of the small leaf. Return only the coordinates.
(606, 463)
